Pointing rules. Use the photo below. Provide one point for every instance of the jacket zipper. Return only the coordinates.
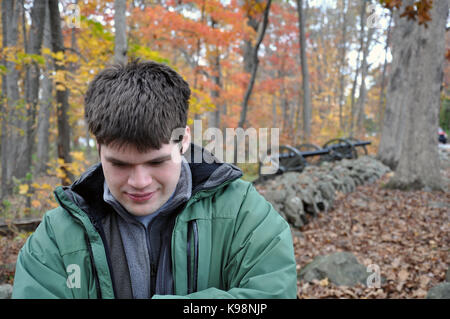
(192, 274)
(153, 270)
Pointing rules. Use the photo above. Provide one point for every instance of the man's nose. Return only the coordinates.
(140, 177)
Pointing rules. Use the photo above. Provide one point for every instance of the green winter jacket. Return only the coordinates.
(244, 250)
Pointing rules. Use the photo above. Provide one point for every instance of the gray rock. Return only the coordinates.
(440, 291)
(447, 277)
(6, 291)
(341, 268)
(276, 196)
(307, 195)
(342, 173)
(290, 179)
(293, 209)
(327, 190)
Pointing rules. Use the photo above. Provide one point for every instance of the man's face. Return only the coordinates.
(142, 182)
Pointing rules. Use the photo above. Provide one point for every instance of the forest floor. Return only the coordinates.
(405, 233)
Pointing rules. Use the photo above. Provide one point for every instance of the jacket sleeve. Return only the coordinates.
(40, 271)
(261, 262)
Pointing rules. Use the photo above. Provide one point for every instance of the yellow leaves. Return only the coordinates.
(324, 282)
(34, 197)
(58, 55)
(146, 53)
(60, 87)
(60, 76)
(72, 58)
(23, 189)
(200, 102)
(35, 203)
(76, 167)
(18, 55)
(46, 51)
(47, 186)
(43, 186)
(78, 156)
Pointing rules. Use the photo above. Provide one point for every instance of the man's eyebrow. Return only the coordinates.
(154, 160)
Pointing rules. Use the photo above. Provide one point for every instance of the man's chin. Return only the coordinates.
(141, 211)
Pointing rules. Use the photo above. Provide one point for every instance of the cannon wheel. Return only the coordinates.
(289, 159)
(340, 148)
(354, 140)
(311, 160)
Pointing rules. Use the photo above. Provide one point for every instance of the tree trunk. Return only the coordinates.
(283, 99)
(397, 92)
(45, 105)
(254, 65)
(343, 54)
(274, 111)
(32, 84)
(360, 106)
(307, 107)
(11, 123)
(382, 100)
(120, 25)
(214, 116)
(197, 54)
(251, 61)
(216, 75)
(358, 66)
(62, 93)
(419, 54)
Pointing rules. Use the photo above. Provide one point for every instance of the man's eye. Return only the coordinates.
(157, 163)
(119, 165)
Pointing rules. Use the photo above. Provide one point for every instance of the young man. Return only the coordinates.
(149, 221)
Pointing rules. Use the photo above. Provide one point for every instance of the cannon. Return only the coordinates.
(344, 148)
(313, 159)
(290, 158)
(357, 143)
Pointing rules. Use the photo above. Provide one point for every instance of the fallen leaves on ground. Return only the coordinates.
(9, 249)
(406, 234)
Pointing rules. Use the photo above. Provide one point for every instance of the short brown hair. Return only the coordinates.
(139, 103)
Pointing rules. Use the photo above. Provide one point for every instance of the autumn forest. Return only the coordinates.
(373, 70)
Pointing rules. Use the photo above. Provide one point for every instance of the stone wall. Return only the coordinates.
(294, 195)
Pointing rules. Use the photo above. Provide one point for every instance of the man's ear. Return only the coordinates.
(186, 140)
(98, 148)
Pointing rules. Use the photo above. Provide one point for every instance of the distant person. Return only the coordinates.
(148, 221)
(442, 136)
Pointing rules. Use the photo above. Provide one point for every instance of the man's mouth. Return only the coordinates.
(140, 197)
